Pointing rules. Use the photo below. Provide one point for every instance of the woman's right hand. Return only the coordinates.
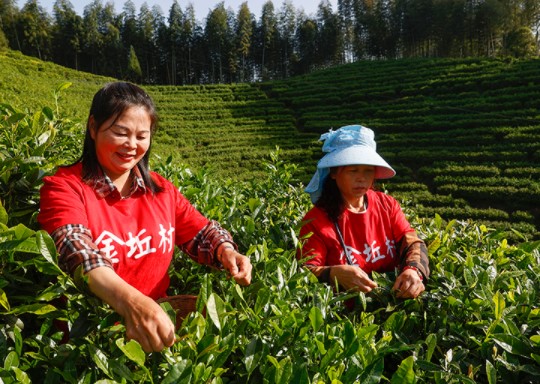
(351, 277)
(147, 323)
(144, 319)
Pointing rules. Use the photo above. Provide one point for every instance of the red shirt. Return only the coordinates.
(137, 234)
(371, 236)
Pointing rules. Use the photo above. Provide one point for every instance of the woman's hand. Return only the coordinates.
(408, 285)
(147, 323)
(144, 319)
(352, 277)
(237, 264)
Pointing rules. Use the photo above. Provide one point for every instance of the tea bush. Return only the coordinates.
(478, 322)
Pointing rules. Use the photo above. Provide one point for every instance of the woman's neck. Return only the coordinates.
(356, 205)
(123, 184)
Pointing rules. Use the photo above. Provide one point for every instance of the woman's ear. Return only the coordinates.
(92, 127)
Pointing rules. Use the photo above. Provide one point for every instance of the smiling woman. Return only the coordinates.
(121, 144)
(117, 222)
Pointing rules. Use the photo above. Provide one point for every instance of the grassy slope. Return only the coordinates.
(467, 119)
(29, 83)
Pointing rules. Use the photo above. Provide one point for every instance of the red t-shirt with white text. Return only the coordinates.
(138, 233)
(371, 236)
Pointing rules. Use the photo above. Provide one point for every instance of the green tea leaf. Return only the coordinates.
(214, 308)
(405, 373)
(179, 373)
(47, 248)
(331, 356)
(204, 292)
(252, 354)
(263, 297)
(11, 360)
(512, 344)
(434, 245)
(500, 304)
(63, 87)
(491, 373)
(132, 350)
(350, 341)
(4, 300)
(21, 376)
(373, 372)
(36, 309)
(3, 214)
(431, 342)
(316, 318)
(101, 360)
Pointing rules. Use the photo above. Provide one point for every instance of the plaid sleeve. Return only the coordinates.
(76, 247)
(414, 253)
(202, 248)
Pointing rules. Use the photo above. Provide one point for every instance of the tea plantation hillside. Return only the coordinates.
(228, 129)
(463, 135)
(29, 84)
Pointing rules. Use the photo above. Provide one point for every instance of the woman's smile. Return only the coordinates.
(121, 142)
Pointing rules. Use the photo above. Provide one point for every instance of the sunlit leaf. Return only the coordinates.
(132, 350)
(512, 344)
(500, 304)
(491, 373)
(4, 300)
(405, 372)
(179, 373)
(214, 309)
(101, 360)
(316, 318)
(11, 360)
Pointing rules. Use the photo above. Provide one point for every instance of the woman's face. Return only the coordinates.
(354, 181)
(122, 144)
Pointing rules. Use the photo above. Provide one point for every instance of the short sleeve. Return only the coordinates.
(61, 203)
(314, 248)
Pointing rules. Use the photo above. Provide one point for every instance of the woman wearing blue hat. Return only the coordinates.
(352, 229)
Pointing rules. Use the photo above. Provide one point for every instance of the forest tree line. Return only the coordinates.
(153, 47)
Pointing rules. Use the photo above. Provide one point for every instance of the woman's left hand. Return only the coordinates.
(238, 266)
(408, 285)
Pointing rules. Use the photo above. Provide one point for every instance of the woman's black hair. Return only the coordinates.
(331, 200)
(111, 101)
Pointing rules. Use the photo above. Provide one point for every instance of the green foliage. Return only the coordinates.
(4, 44)
(32, 146)
(134, 71)
(520, 43)
(478, 321)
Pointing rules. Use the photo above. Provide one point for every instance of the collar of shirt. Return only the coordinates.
(104, 186)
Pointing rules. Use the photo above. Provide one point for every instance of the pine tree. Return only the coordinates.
(134, 72)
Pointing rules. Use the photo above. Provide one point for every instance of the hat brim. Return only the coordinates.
(358, 155)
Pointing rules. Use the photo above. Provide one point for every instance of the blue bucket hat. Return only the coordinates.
(349, 145)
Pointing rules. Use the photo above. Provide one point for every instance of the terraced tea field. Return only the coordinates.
(463, 135)
(228, 129)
